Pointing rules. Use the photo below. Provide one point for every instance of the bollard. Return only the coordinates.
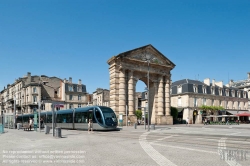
(135, 126)
(58, 132)
(152, 126)
(47, 129)
(18, 126)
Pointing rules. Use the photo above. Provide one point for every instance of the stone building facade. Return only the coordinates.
(27, 92)
(101, 97)
(188, 95)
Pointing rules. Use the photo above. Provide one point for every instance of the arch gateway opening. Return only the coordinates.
(127, 68)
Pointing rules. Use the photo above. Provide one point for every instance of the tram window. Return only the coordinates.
(98, 116)
(81, 117)
(49, 119)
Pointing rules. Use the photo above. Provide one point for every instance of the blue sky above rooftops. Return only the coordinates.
(64, 38)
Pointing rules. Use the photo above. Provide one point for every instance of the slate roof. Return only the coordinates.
(188, 87)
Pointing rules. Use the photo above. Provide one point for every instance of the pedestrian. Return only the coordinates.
(41, 122)
(227, 122)
(129, 122)
(205, 123)
(90, 125)
(187, 120)
(30, 123)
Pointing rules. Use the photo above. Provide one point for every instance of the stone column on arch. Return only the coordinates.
(131, 90)
(122, 95)
(160, 97)
(167, 97)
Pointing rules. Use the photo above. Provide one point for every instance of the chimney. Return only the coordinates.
(248, 75)
(64, 80)
(213, 82)
(28, 77)
(70, 79)
(219, 84)
(80, 82)
(207, 81)
(231, 83)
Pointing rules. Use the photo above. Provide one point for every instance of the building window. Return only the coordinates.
(79, 89)
(179, 89)
(227, 92)
(34, 99)
(195, 89)
(70, 97)
(179, 101)
(212, 91)
(79, 105)
(212, 102)
(70, 88)
(70, 106)
(233, 93)
(220, 103)
(195, 102)
(204, 90)
(239, 96)
(34, 89)
(226, 104)
(245, 95)
(204, 101)
(220, 92)
(79, 97)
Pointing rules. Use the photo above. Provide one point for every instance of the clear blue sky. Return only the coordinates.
(75, 38)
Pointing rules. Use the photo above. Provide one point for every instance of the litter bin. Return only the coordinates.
(18, 126)
(47, 129)
(152, 126)
(135, 125)
(58, 132)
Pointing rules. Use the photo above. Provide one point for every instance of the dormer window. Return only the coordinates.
(212, 90)
(227, 92)
(244, 94)
(239, 94)
(220, 92)
(204, 89)
(233, 93)
(195, 89)
(70, 88)
(179, 89)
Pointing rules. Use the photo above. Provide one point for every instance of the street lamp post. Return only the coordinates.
(148, 58)
(14, 113)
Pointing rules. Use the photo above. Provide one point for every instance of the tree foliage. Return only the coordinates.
(211, 108)
(138, 114)
(174, 112)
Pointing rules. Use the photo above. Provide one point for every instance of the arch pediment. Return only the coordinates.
(139, 54)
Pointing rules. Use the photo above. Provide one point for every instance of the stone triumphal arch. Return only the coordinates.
(127, 68)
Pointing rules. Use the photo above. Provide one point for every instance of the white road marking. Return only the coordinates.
(155, 155)
(224, 153)
(191, 149)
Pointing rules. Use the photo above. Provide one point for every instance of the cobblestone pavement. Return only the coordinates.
(172, 145)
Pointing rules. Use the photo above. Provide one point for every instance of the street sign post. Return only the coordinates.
(35, 119)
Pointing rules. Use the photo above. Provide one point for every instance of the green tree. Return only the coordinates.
(174, 112)
(138, 114)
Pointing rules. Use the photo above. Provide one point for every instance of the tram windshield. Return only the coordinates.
(109, 114)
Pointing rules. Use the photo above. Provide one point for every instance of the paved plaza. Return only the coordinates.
(171, 145)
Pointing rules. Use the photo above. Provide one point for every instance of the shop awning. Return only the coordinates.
(243, 114)
(234, 112)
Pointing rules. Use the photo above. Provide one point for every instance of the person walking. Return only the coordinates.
(90, 125)
(187, 121)
(205, 123)
(30, 123)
